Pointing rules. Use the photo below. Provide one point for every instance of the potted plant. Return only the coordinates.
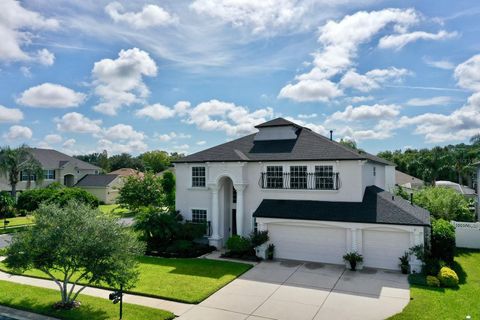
(404, 262)
(353, 259)
(270, 250)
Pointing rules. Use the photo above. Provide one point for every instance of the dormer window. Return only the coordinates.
(198, 177)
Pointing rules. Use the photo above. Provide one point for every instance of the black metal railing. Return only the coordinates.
(300, 181)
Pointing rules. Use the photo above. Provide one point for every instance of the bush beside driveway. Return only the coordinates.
(446, 303)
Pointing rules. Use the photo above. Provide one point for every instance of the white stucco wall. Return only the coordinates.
(354, 176)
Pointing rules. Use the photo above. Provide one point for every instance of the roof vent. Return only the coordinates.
(331, 135)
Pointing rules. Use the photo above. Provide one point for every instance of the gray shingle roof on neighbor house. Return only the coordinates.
(378, 206)
(53, 159)
(96, 180)
(307, 146)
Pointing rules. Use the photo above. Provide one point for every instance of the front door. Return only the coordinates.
(234, 222)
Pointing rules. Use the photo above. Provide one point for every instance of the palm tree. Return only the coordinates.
(14, 161)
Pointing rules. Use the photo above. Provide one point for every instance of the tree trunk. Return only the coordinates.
(14, 191)
(460, 181)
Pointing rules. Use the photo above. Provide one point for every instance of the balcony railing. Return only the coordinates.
(300, 181)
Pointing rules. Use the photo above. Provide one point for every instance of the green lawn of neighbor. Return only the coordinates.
(114, 209)
(443, 303)
(40, 300)
(184, 280)
(18, 221)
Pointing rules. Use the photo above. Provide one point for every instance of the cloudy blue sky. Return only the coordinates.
(85, 76)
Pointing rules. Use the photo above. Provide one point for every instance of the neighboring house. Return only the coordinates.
(57, 167)
(317, 198)
(463, 190)
(407, 181)
(105, 186)
(127, 172)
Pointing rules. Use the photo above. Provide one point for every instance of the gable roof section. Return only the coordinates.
(277, 122)
(96, 180)
(53, 159)
(377, 206)
(308, 146)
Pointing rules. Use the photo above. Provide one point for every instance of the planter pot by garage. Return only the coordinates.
(359, 266)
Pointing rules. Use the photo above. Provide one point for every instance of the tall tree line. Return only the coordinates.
(452, 162)
(153, 161)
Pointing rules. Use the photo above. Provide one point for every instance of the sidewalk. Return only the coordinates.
(176, 308)
(20, 314)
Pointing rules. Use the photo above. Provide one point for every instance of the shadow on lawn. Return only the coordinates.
(32, 305)
(198, 267)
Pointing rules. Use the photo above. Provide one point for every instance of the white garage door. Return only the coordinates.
(308, 243)
(382, 249)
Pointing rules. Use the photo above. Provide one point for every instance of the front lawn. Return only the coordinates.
(184, 280)
(116, 210)
(443, 303)
(40, 300)
(18, 221)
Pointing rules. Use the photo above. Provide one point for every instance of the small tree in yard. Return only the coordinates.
(444, 203)
(140, 192)
(168, 185)
(78, 245)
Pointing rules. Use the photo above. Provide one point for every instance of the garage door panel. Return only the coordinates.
(381, 249)
(308, 243)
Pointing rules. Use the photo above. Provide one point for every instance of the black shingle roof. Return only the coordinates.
(378, 206)
(308, 146)
(96, 180)
(277, 122)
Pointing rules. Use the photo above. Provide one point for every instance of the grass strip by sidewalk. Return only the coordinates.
(40, 300)
(184, 280)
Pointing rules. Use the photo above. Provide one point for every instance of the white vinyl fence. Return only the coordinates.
(467, 234)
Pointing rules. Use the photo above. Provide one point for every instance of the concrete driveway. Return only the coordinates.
(5, 240)
(287, 290)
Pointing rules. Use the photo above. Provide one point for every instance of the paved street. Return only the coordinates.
(4, 240)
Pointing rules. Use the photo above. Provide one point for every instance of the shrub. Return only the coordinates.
(238, 245)
(448, 278)
(433, 281)
(30, 200)
(258, 238)
(444, 203)
(404, 262)
(432, 266)
(443, 240)
(353, 258)
(6, 205)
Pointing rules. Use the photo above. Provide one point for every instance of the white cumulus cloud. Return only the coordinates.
(156, 111)
(18, 26)
(150, 16)
(78, 123)
(433, 101)
(10, 114)
(50, 95)
(468, 73)
(18, 133)
(119, 82)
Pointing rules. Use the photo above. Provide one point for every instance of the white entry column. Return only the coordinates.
(215, 237)
(240, 216)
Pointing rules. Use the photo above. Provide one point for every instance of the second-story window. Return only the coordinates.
(274, 177)
(298, 177)
(49, 174)
(198, 176)
(324, 177)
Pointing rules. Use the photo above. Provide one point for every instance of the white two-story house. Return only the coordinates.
(317, 198)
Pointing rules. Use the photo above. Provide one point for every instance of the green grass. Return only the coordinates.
(443, 303)
(40, 300)
(18, 221)
(114, 209)
(184, 280)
